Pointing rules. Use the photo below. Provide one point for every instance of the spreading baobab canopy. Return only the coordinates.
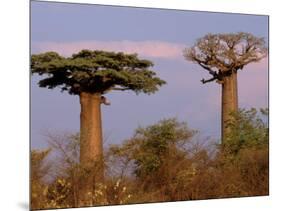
(95, 72)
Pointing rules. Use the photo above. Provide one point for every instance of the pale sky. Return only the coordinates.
(157, 35)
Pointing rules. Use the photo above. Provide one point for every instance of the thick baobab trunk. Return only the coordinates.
(91, 149)
(229, 102)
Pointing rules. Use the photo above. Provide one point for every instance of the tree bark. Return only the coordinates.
(91, 146)
(229, 102)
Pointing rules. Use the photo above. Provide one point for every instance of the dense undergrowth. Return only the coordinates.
(161, 162)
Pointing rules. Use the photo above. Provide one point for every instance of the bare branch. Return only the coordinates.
(212, 72)
(203, 64)
(208, 80)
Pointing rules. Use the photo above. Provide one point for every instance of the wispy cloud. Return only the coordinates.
(155, 49)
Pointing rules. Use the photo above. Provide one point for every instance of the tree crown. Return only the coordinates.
(95, 72)
(221, 54)
(151, 145)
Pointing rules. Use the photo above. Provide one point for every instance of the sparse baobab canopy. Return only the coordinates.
(95, 72)
(221, 54)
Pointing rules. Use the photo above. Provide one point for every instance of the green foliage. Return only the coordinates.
(153, 148)
(95, 72)
(155, 142)
(248, 130)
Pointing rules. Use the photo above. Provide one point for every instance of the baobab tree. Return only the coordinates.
(222, 55)
(90, 75)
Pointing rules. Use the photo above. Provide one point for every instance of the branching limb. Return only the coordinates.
(208, 80)
(212, 72)
(204, 65)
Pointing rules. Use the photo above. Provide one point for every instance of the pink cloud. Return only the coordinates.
(156, 49)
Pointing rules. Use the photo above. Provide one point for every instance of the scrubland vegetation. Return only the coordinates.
(162, 162)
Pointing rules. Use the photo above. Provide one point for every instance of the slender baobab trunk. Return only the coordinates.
(91, 149)
(229, 101)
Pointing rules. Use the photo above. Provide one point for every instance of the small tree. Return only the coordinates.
(249, 130)
(90, 74)
(66, 147)
(158, 152)
(222, 55)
